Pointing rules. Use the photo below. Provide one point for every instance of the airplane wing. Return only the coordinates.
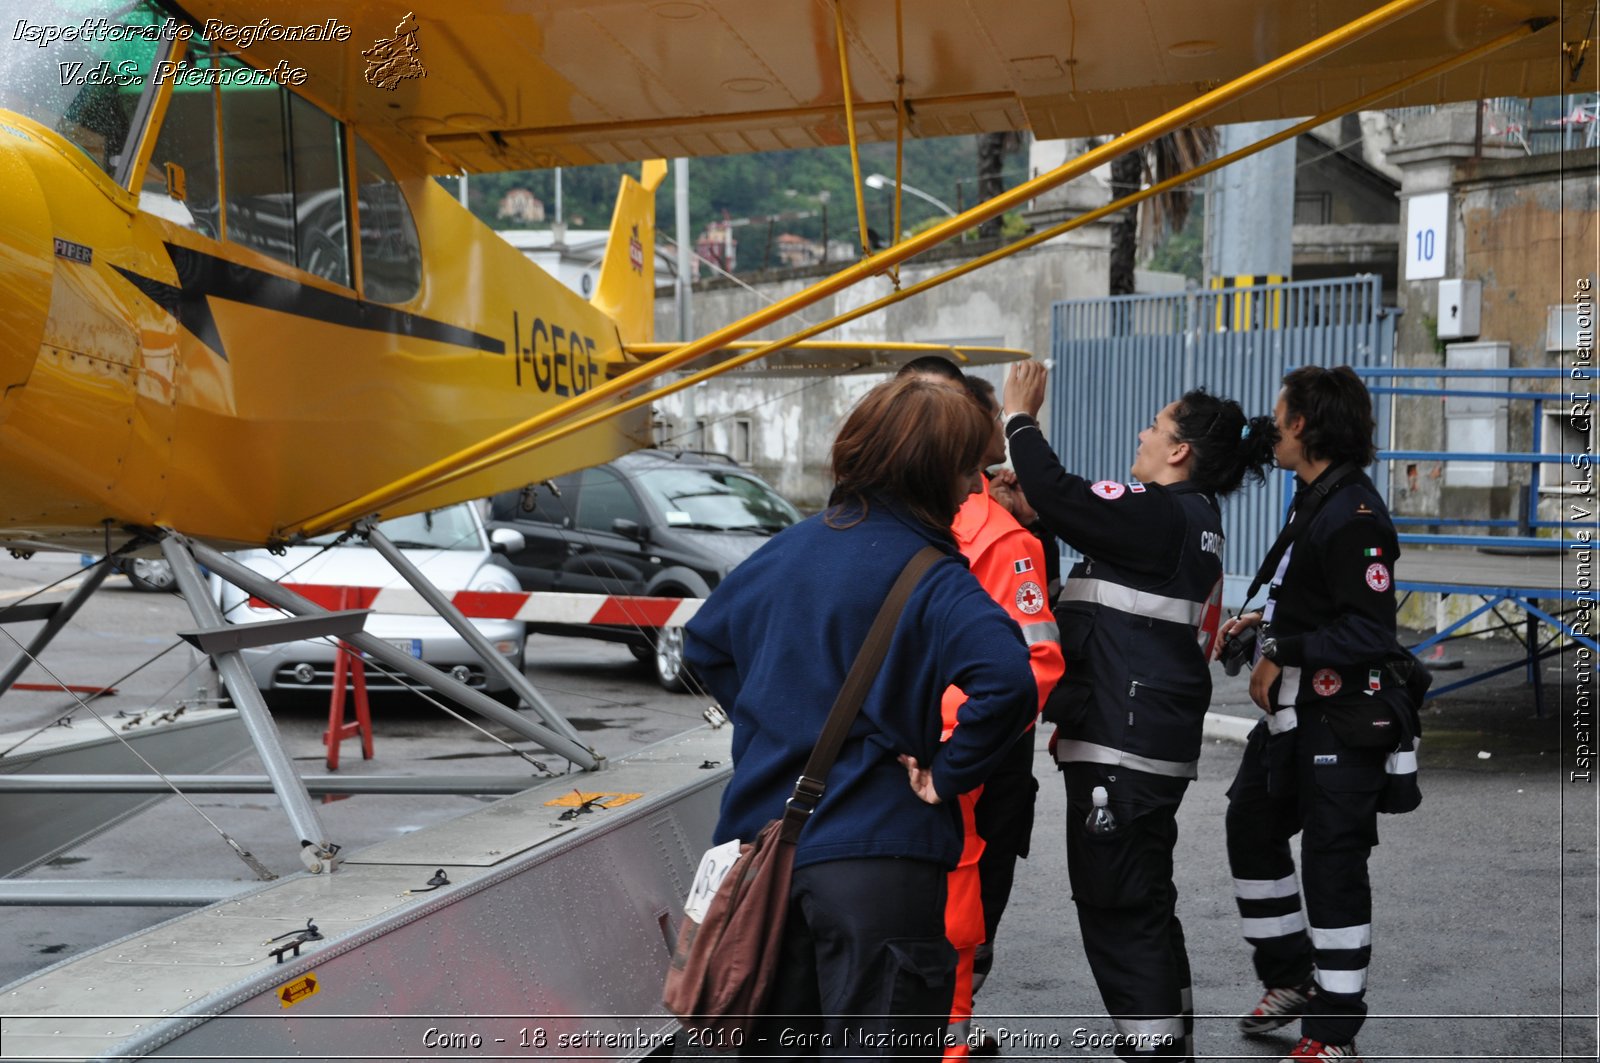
(831, 358)
(530, 84)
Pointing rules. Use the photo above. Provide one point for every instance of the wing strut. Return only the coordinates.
(899, 125)
(850, 128)
(57, 620)
(449, 467)
(281, 597)
(317, 852)
(474, 638)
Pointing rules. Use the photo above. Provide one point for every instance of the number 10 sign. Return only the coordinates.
(1427, 220)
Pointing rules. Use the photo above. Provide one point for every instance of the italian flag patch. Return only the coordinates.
(1372, 552)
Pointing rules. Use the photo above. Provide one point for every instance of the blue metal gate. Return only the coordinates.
(1119, 360)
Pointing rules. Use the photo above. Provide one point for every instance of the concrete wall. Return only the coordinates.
(1528, 232)
(1357, 194)
(793, 420)
(1526, 229)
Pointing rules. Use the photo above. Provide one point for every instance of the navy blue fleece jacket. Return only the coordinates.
(774, 642)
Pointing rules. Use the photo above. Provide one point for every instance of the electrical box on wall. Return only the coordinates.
(1459, 303)
(1475, 424)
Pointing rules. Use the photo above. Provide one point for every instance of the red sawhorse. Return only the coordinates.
(349, 672)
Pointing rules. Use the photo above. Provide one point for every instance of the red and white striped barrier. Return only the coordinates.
(546, 607)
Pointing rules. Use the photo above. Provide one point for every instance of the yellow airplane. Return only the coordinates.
(238, 306)
(226, 310)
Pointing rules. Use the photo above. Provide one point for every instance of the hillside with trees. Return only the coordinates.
(764, 195)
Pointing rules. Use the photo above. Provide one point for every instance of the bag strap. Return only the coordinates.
(1301, 516)
(813, 780)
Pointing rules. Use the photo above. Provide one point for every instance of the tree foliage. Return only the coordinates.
(1162, 216)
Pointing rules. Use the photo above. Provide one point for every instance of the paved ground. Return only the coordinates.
(1484, 931)
(1484, 936)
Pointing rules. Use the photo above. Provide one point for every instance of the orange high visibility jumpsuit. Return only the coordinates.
(1009, 562)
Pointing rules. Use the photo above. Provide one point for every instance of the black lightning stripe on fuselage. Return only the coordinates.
(201, 276)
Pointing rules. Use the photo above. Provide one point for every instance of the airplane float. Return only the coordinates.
(238, 311)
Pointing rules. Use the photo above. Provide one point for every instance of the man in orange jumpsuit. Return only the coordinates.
(1009, 561)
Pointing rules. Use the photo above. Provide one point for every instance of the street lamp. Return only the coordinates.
(879, 181)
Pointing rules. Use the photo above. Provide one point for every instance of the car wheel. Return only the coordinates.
(150, 574)
(671, 671)
(642, 653)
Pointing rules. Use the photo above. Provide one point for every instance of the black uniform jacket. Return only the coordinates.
(1331, 606)
(1137, 614)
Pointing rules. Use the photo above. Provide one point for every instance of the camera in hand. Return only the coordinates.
(1237, 649)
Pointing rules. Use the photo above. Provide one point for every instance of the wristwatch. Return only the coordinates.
(1269, 649)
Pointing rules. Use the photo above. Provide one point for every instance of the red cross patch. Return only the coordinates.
(1030, 599)
(1378, 576)
(1326, 682)
(1108, 489)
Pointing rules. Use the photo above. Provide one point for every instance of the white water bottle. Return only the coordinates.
(1101, 821)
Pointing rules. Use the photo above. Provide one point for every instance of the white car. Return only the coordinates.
(453, 551)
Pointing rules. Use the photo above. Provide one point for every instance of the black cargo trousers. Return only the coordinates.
(1304, 780)
(1128, 908)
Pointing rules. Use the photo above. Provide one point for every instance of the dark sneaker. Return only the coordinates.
(1278, 1008)
(1309, 1051)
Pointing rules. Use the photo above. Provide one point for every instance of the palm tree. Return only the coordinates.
(1164, 157)
(992, 151)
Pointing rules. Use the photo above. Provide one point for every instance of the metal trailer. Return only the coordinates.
(40, 825)
(549, 936)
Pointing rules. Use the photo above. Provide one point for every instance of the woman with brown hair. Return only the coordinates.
(864, 949)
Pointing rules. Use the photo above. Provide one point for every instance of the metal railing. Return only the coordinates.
(1543, 125)
(1527, 521)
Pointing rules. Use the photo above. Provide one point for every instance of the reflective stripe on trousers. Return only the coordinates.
(1259, 928)
(1350, 982)
(1250, 889)
(1146, 1036)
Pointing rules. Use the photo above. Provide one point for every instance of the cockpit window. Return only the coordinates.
(257, 182)
(80, 68)
(284, 164)
(180, 184)
(391, 257)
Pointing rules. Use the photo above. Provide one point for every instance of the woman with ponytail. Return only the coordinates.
(1137, 616)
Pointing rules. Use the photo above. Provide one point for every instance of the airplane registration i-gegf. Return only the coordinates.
(237, 309)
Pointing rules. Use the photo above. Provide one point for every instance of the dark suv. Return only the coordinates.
(655, 522)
